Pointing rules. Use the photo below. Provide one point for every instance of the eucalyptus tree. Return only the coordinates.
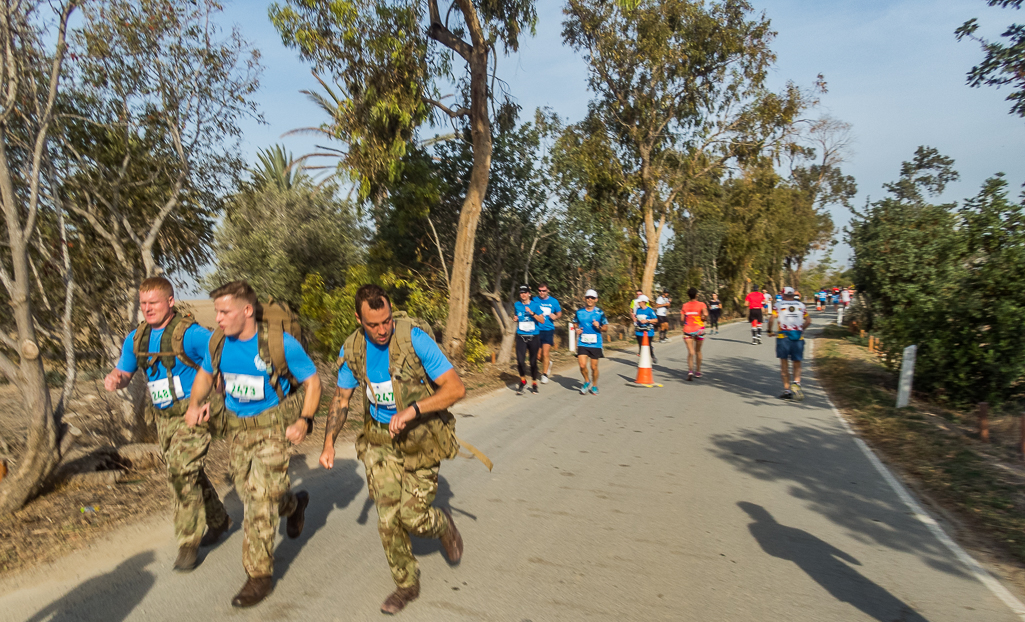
(1004, 63)
(391, 58)
(33, 39)
(680, 93)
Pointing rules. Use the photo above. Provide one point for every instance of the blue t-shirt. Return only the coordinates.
(379, 389)
(247, 388)
(548, 306)
(590, 337)
(195, 341)
(646, 312)
(525, 322)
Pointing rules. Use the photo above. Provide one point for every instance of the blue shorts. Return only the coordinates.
(789, 349)
(548, 338)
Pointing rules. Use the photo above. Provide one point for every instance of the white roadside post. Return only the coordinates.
(839, 317)
(572, 338)
(907, 373)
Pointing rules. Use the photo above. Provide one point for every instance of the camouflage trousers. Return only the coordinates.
(196, 504)
(259, 468)
(403, 499)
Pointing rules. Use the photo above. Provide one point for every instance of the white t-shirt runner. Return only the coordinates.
(661, 311)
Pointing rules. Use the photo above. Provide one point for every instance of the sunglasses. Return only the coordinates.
(590, 298)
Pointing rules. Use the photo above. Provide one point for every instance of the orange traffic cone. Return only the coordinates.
(644, 365)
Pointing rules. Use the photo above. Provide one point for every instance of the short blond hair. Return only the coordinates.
(157, 284)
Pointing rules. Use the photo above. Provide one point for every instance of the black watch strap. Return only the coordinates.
(416, 408)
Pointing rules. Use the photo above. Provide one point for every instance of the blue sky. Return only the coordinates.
(894, 70)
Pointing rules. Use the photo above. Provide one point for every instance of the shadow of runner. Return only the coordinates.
(107, 598)
(822, 562)
(842, 487)
(443, 499)
(328, 490)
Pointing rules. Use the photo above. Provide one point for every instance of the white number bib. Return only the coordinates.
(527, 327)
(587, 338)
(382, 394)
(244, 388)
(160, 391)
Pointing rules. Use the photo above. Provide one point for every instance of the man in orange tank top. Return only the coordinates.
(693, 316)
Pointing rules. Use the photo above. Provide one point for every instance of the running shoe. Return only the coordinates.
(523, 387)
(786, 395)
(690, 376)
(798, 393)
(697, 374)
(533, 389)
(754, 341)
(654, 360)
(544, 378)
(594, 390)
(584, 389)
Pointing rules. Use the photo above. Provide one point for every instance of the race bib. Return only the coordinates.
(160, 391)
(527, 327)
(382, 394)
(546, 310)
(588, 339)
(244, 388)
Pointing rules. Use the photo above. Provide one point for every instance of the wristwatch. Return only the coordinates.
(416, 408)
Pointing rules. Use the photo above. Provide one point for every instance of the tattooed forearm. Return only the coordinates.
(336, 417)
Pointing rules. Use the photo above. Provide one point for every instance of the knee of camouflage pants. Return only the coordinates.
(184, 450)
(415, 512)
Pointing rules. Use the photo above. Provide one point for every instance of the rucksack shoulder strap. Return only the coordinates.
(216, 347)
(177, 328)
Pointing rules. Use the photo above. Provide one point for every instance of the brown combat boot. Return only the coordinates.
(188, 558)
(451, 540)
(297, 519)
(213, 534)
(254, 591)
(401, 597)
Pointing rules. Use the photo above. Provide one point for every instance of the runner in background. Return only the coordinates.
(633, 313)
(528, 340)
(552, 311)
(693, 315)
(662, 311)
(821, 296)
(714, 312)
(646, 320)
(755, 300)
(836, 299)
(591, 326)
(845, 298)
(793, 319)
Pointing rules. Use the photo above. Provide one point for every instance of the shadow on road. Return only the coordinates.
(329, 490)
(443, 499)
(824, 563)
(92, 601)
(842, 485)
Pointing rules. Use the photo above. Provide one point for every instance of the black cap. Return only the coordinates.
(524, 289)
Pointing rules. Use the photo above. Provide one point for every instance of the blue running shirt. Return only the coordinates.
(247, 388)
(525, 322)
(646, 312)
(590, 337)
(195, 342)
(380, 394)
(548, 306)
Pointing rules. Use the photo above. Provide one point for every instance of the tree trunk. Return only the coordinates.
(454, 337)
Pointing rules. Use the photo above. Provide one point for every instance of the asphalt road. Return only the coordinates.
(706, 501)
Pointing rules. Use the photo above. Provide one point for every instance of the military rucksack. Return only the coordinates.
(273, 320)
(172, 346)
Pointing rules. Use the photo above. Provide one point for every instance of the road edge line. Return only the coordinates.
(976, 569)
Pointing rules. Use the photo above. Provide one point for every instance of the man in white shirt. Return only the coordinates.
(662, 311)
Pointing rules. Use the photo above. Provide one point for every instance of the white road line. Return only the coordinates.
(976, 569)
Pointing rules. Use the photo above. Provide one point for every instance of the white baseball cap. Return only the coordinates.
(788, 290)
(590, 294)
(642, 298)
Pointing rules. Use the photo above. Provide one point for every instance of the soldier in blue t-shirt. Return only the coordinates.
(184, 448)
(591, 326)
(259, 429)
(403, 484)
(529, 317)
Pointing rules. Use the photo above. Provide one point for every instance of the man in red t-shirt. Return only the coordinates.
(755, 300)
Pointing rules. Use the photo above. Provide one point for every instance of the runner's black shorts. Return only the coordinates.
(754, 315)
(592, 353)
(547, 337)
